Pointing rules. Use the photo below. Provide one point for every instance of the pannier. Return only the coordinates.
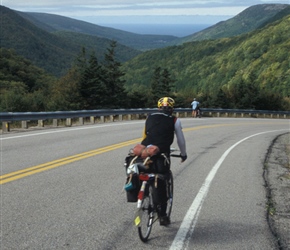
(132, 185)
(137, 161)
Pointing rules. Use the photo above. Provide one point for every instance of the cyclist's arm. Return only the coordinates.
(180, 137)
(144, 133)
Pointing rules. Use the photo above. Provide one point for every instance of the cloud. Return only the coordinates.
(85, 8)
(159, 12)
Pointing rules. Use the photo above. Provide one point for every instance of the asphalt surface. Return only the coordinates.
(64, 188)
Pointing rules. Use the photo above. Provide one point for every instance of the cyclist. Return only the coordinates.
(195, 107)
(159, 130)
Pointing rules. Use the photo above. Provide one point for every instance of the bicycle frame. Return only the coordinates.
(144, 178)
(146, 213)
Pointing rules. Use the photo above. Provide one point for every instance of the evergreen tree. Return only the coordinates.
(115, 96)
(155, 87)
(81, 61)
(161, 85)
(92, 85)
(219, 100)
(167, 83)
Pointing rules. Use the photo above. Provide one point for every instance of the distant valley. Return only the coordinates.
(61, 39)
(178, 30)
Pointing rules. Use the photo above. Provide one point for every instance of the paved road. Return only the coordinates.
(63, 188)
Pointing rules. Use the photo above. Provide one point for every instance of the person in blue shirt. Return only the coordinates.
(195, 107)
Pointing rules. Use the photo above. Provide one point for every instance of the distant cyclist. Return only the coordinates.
(195, 108)
(159, 130)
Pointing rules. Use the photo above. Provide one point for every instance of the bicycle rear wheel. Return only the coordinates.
(169, 194)
(146, 217)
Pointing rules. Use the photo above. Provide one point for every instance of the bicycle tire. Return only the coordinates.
(169, 194)
(146, 217)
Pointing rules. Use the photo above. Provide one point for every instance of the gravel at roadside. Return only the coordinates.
(277, 178)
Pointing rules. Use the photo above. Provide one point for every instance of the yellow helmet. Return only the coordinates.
(165, 102)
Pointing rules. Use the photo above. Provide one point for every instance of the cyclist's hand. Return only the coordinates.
(183, 157)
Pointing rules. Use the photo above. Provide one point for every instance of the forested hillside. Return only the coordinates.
(23, 86)
(246, 71)
(248, 20)
(52, 42)
(53, 52)
(88, 84)
(52, 23)
(222, 72)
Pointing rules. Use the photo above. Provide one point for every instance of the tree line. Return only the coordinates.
(245, 71)
(90, 84)
(87, 85)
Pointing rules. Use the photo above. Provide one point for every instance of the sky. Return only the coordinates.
(140, 11)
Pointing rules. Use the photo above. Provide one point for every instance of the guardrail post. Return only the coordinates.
(5, 126)
(81, 121)
(92, 119)
(68, 122)
(24, 125)
(120, 118)
(40, 123)
(54, 122)
(111, 118)
(102, 119)
(129, 117)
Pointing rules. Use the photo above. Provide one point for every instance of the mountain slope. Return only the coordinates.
(248, 20)
(51, 22)
(284, 12)
(260, 57)
(53, 52)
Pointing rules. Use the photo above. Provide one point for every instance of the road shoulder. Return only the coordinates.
(277, 179)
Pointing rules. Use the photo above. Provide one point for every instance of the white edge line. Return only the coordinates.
(188, 224)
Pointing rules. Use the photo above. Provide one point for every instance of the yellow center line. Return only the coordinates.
(60, 162)
(53, 164)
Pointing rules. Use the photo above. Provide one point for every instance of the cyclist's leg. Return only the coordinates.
(162, 197)
(169, 187)
(160, 193)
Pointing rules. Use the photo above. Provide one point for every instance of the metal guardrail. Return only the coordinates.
(7, 117)
(22, 116)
